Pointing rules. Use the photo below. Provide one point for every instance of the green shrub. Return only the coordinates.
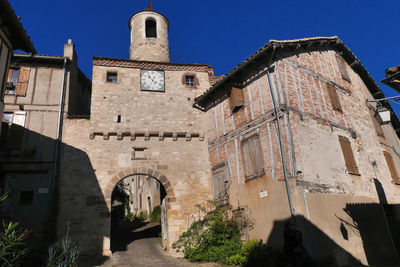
(214, 239)
(142, 216)
(129, 216)
(155, 215)
(12, 243)
(63, 254)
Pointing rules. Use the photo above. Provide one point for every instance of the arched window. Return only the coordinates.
(151, 28)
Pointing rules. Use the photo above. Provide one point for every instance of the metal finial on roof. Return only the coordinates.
(149, 6)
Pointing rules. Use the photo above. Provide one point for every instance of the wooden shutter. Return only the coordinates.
(237, 100)
(377, 125)
(252, 157)
(348, 155)
(342, 68)
(9, 75)
(333, 97)
(392, 168)
(220, 183)
(23, 79)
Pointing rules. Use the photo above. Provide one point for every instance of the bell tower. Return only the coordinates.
(149, 36)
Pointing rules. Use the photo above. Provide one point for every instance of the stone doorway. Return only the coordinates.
(137, 212)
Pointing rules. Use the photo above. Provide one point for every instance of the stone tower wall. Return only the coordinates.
(149, 49)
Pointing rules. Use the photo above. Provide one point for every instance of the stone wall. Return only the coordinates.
(150, 49)
(159, 134)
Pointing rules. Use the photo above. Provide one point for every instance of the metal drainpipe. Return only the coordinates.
(59, 128)
(285, 174)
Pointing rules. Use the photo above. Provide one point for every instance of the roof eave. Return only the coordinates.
(14, 29)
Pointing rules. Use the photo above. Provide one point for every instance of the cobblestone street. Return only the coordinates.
(138, 245)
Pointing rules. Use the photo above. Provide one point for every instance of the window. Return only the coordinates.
(111, 77)
(14, 76)
(8, 117)
(252, 157)
(18, 81)
(220, 183)
(333, 97)
(350, 162)
(236, 99)
(151, 28)
(25, 198)
(342, 68)
(392, 168)
(190, 80)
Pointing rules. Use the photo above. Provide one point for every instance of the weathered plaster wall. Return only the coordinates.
(310, 129)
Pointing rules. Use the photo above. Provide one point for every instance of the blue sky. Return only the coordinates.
(219, 33)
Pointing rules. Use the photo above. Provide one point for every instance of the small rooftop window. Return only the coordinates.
(111, 77)
(151, 28)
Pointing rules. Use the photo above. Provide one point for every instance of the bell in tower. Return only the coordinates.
(149, 36)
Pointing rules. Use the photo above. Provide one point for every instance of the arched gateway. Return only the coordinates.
(136, 127)
(126, 173)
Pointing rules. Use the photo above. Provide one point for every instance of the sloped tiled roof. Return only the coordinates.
(239, 74)
(14, 29)
(392, 78)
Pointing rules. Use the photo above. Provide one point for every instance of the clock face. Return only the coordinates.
(152, 80)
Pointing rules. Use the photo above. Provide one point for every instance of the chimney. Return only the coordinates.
(69, 51)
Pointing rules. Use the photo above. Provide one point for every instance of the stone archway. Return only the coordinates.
(124, 173)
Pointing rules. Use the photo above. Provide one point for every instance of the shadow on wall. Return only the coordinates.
(376, 223)
(82, 208)
(78, 208)
(318, 245)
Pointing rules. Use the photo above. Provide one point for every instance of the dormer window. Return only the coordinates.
(151, 28)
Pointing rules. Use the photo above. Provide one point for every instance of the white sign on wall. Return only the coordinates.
(263, 194)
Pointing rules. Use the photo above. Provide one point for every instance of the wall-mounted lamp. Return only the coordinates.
(382, 114)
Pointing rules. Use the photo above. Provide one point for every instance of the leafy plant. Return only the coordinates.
(214, 238)
(12, 243)
(63, 254)
(129, 216)
(141, 217)
(10, 86)
(155, 215)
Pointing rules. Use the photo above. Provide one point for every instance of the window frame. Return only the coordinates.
(190, 81)
(246, 164)
(109, 73)
(149, 28)
(195, 80)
